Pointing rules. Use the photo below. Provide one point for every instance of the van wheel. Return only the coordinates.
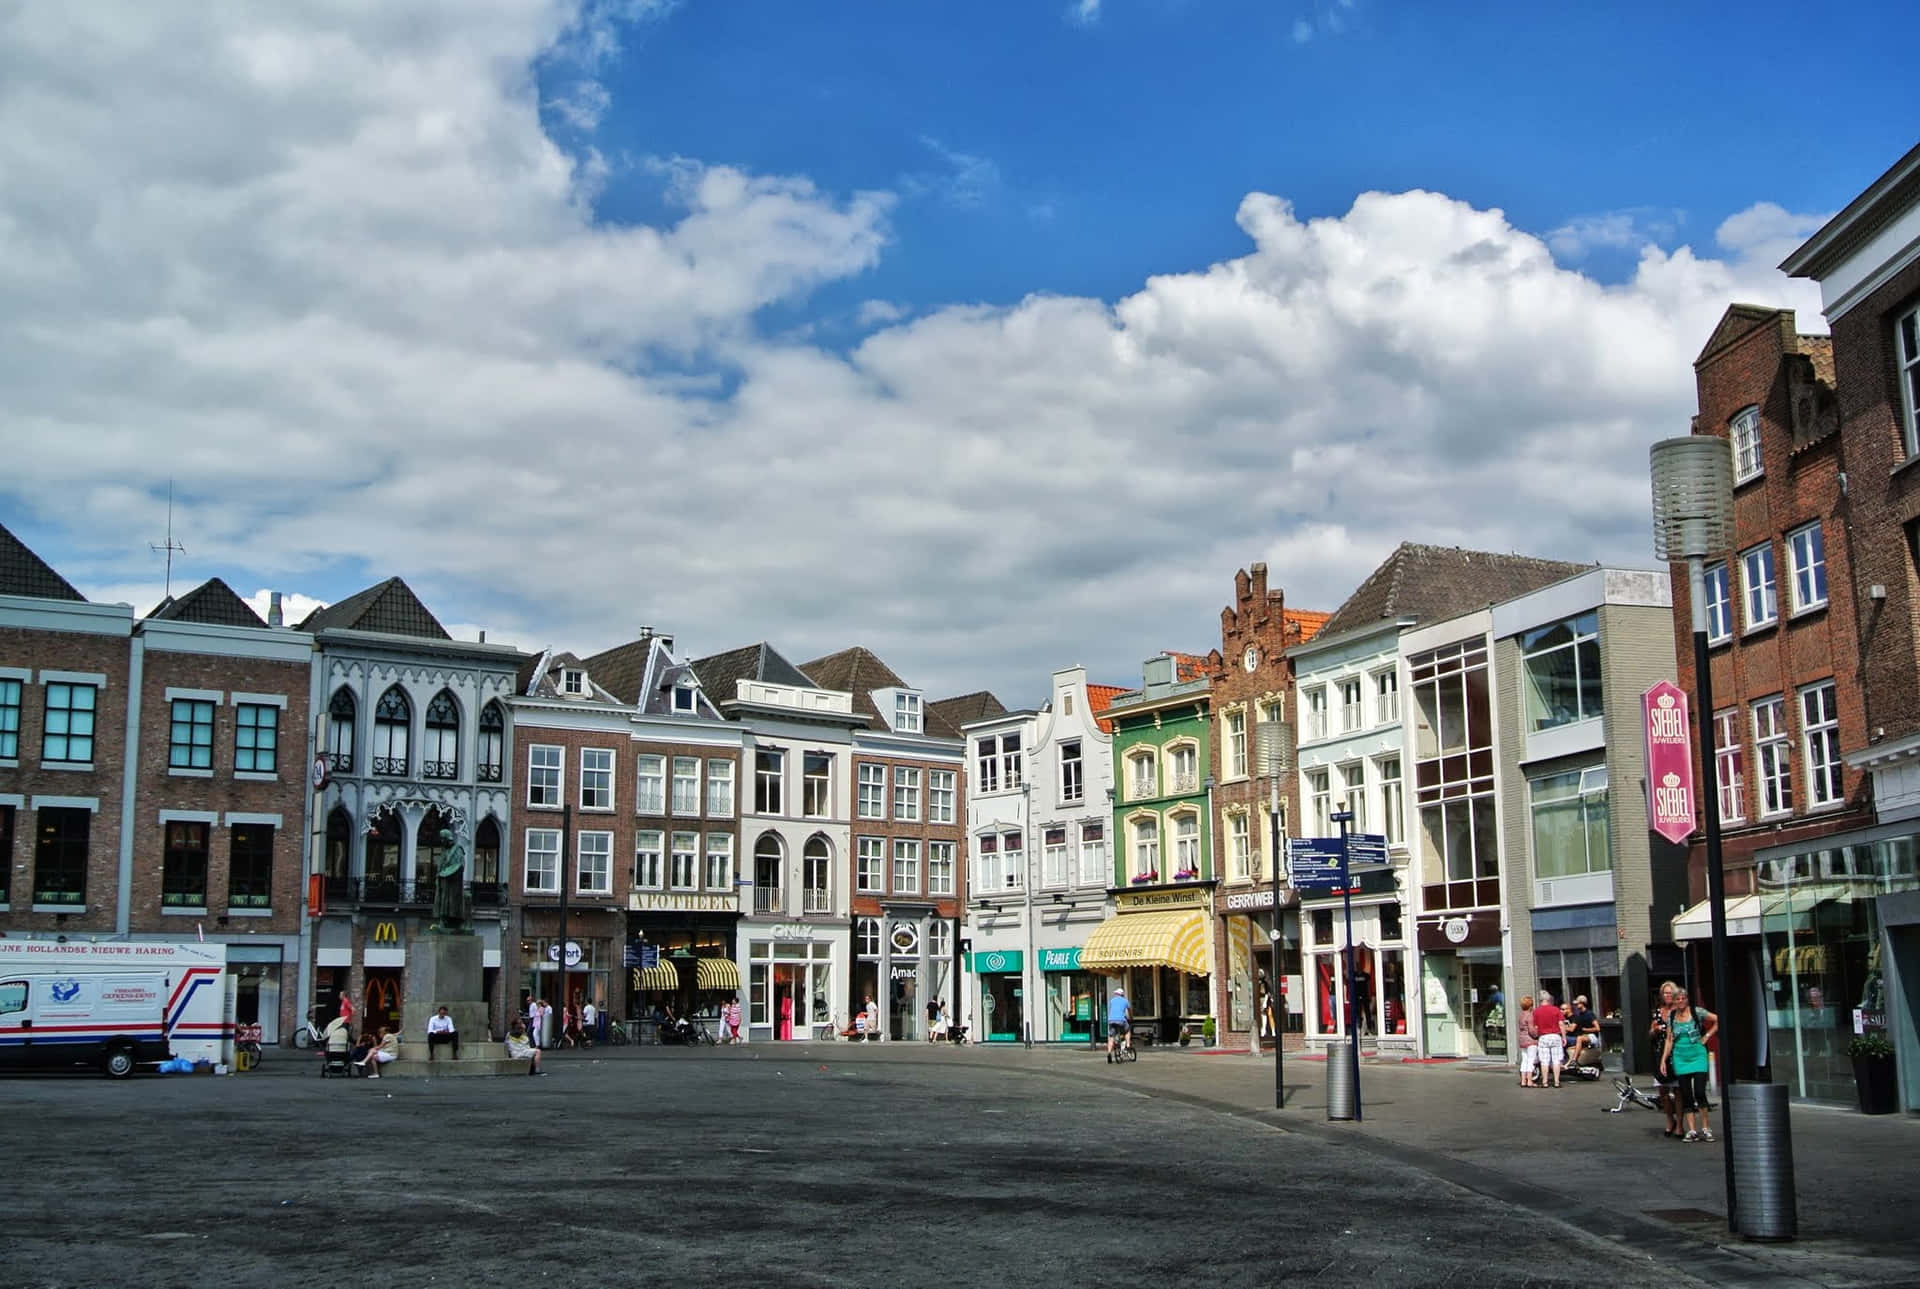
(119, 1061)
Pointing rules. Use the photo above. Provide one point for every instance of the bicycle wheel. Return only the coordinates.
(1129, 1053)
(303, 1038)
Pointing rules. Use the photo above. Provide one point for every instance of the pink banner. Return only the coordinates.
(1669, 761)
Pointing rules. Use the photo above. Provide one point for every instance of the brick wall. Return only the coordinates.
(921, 830)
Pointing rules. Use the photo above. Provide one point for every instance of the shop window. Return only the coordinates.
(1393, 984)
(1323, 926)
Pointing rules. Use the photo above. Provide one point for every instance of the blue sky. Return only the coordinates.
(994, 337)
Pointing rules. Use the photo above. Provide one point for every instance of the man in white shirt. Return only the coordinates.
(440, 1030)
(589, 1023)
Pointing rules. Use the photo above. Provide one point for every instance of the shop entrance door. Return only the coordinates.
(1440, 1001)
(1484, 1015)
(382, 998)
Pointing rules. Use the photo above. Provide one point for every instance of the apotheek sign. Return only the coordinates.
(645, 902)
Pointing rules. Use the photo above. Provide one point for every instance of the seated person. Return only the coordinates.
(385, 1050)
(521, 1048)
(1583, 1029)
(440, 1030)
(363, 1045)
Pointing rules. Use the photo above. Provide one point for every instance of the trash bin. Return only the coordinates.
(1339, 1081)
(1762, 1161)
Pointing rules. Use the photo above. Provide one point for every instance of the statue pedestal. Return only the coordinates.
(444, 971)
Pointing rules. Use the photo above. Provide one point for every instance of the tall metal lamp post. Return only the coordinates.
(1276, 759)
(1692, 519)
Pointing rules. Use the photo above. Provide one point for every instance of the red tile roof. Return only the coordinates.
(1189, 666)
(1301, 625)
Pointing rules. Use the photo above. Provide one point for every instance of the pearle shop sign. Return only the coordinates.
(1669, 761)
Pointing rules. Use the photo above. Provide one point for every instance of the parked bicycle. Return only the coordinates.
(1630, 1095)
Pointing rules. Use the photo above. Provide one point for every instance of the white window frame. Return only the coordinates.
(543, 757)
(1719, 594)
(1807, 559)
(542, 842)
(1820, 745)
(816, 790)
(596, 778)
(1318, 788)
(1393, 798)
(1073, 773)
(870, 866)
(940, 870)
(1907, 354)
(871, 800)
(1144, 839)
(573, 680)
(1729, 760)
(596, 845)
(1744, 432)
(1386, 696)
(1143, 775)
(1095, 868)
(683, 699)
(1013, 860)
(1239, 846)
(906, 866)
(907, 714)
(1183, 779)
(1759, 596)
(683, 858)
(1353, 784)
(941, 786)
(684, 786)
(1353, 705)
(1236, 741)
(717, 865)
(650, 784)
(906, 793)
(1773, 756)
(720, 772)
(649, 859)
(1186, 842)
(1055, 866)
(1313, 712)
(770, 780)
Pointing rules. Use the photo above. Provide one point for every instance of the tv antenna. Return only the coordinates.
(169, 546)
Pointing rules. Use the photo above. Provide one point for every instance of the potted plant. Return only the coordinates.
(1186, 1035)
(1872, 1058)
(1207, 1031)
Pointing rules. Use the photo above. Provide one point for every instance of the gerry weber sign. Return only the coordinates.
(1669, 761)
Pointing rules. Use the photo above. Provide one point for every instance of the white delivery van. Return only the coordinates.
(115, 1006)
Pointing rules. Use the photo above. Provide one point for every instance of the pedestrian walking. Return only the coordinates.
(942, 1022)
(1529, 1044)
(1547, 1022)
(730, 1020)
(1688, 1031)
(1665, 1089)
(933, 1016)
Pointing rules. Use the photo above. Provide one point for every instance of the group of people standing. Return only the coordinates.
(1551, 1037)
(579, 1023)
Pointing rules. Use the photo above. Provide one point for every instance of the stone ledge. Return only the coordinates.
(447, 1068)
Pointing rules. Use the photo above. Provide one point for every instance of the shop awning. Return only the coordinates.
(1743, 918)
(664, 978)
(716, 973)
(1176, 939)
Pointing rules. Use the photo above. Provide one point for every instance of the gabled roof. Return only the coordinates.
(212, 602)
(1741, 321)
(390, 607)
(945, 716)
(1429, 583)
(1099, 698)
(622, 668)
(24, 573)
(720, 673)
(535, 679)
(1297, 626)
(857, 671)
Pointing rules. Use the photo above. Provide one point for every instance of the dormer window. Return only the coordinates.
(573, 681)
(683, 698)
(906, 713)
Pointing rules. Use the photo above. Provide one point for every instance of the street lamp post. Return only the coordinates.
(1692, 519)
(1276, 746)
(1343, 818)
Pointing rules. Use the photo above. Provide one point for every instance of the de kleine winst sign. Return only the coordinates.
(1669, 761)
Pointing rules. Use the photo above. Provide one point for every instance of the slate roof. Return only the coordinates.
(390, 607)
(1099, 698)
(720, 673)
(622, 668)
(212, 602)
(945, 716)
(1430, 583)
(536, 679)
(857, 671)
(24, 573)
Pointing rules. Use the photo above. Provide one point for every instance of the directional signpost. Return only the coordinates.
(1328, 866)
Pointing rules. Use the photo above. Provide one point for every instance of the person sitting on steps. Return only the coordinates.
(440, 1031)
(521, 1048)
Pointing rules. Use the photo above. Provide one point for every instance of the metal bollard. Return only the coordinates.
(1762, 1161)
(1339, 1081)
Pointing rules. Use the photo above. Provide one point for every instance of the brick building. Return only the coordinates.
(220, 797)
(1853, 901)
(1252, 687)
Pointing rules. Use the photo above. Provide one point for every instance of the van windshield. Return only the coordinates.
(13, 996)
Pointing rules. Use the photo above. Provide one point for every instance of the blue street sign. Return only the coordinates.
(650, 956)
(1366, 848)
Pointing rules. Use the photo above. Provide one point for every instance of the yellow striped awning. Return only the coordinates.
(716, 973)
(1170, 938)
(664, 978)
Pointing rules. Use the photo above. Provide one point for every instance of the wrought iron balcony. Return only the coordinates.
(766, 899)
(393, 893)
(440, 769)
(340, 762)
(394, 766)
(487, 895)
(490, 773)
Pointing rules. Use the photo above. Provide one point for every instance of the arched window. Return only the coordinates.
(428, 852)
(769, 860)
(819, 875)
(486, 856)
(491, 763)
(392, 719)
(382, 881)
(440, 750)
(341, 715)
(339, 844)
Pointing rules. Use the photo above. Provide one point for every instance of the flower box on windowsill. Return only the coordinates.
(1141, 879)
(1187, 875)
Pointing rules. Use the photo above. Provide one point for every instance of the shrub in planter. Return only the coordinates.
(1872, 1057)
(1207, 1031)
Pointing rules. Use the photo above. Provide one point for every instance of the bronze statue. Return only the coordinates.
(450, 909)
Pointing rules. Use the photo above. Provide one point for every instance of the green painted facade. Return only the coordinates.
(1162, 750)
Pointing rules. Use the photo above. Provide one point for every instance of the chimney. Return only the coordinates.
(483, 635)
(646, 633)
(274, 617)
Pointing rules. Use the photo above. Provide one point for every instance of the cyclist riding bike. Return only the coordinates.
(1119, 1021)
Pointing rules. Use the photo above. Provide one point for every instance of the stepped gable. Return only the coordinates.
(212, 602)
(720, 673)
(857, 671)
(947, 715)
(24, 573)
(1431, 583)
(390, 608)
